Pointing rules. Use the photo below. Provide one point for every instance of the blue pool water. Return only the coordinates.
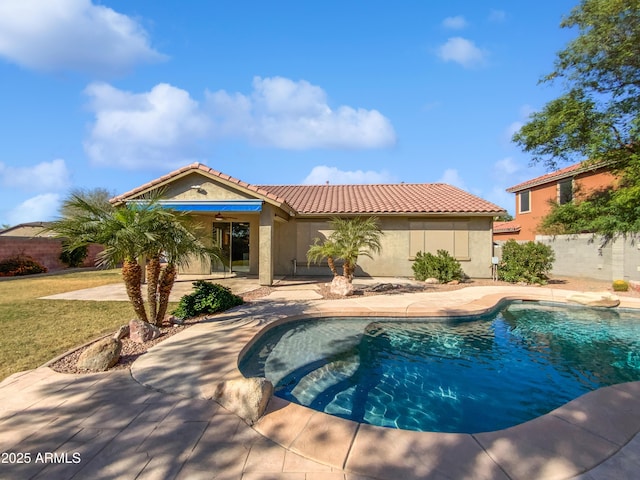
(467, 375)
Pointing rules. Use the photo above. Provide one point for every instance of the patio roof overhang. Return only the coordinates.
(214, 205)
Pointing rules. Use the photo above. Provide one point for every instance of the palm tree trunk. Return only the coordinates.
(165, 284)
(132, 276)
(347, 270)
(153, 273)
(332, 266)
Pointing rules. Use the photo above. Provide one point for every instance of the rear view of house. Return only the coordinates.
(267, 230)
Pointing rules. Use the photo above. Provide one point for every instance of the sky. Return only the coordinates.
(112, 94)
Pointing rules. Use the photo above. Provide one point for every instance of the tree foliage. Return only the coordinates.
(129, 233)
(598, 116)
(350, 239)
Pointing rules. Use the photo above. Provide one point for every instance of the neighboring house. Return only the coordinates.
(534, 197)
(267, 230)
(33, 239)
(32, 229)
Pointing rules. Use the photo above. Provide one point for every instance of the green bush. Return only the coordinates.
(206, 298)
(620, 286)
(73, 258)
(20, 265)
(441, 266)
(525, 262)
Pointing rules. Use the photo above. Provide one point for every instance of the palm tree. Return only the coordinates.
(320, 250)
(180, 240)
(350, 239)
(128, 233)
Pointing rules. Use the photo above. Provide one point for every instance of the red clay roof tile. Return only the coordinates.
(349, 199)
(392, 198)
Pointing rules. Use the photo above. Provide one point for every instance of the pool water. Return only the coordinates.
(467, 375)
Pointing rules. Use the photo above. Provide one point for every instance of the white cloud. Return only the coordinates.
(292, 115)
(462, 51)
(45, 176)
(497, 16)
(39, 208)
(161, 127)
(322, 174)
(166, 127)
(55, 35)
(455, 23)
(452, 177)
(506, 166)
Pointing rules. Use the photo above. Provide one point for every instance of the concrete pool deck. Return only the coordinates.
(156, 421)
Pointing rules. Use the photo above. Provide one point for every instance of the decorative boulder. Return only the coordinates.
(246, 397)
(101, 355)
(141, 332)
(595, 299)
(122, 332)
(341, 286)
(432, 281)
(173, 320)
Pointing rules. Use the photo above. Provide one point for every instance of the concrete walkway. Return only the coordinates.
(156, 422)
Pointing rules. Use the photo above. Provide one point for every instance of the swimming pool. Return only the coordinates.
(466, 375)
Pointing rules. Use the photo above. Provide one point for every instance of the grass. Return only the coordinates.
(35, 331)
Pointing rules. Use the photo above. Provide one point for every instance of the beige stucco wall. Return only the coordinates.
(277, 240)
(180, 189)
(396, 257)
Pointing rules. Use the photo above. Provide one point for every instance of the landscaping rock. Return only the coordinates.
(595, 299)
(141, 332)
(173, 320)
(100, 356)
(341, 286)
(454, 282)
(432, 281)
(122, 332)
(246, 397)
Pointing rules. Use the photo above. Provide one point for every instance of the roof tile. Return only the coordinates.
(349, 199)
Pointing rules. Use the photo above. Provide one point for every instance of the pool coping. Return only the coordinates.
(568, 441)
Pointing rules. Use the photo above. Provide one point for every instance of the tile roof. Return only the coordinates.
(506, 227)
(346, 199)
(566, 172)
(391, 198)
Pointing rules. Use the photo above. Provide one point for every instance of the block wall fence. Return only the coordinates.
(44, 250)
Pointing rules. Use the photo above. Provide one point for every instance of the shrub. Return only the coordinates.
(20, 265)
(206, 298)
(620, 286)
(73, 258)
(525, 262)
(441, 266)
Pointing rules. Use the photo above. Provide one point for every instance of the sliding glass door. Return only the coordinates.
(233, 240)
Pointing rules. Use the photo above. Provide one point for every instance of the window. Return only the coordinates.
(525, 201)
(565, 191)
(431, 236)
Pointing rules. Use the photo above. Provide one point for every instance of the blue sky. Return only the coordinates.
(115, 93)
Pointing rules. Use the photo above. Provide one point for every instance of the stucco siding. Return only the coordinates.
(472, 235)
(180, 189)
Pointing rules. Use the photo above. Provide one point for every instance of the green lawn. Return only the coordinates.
(35, 331)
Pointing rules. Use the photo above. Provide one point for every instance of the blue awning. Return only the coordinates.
(214, 205)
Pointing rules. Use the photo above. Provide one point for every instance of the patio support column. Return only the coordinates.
(265, 270)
